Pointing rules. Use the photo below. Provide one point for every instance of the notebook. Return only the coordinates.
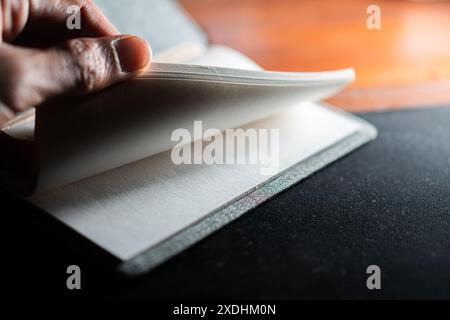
(149, 167)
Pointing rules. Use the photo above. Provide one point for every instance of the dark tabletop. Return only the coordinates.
(386, 204)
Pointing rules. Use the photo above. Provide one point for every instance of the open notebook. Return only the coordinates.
(103, 164)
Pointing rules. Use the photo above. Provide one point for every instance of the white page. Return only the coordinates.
(84, 136)
(221, 56)
(132, 208)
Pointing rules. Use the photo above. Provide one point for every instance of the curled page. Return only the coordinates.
(78, 137)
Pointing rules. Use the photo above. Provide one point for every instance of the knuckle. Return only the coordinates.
(13, 92)
(90, 62)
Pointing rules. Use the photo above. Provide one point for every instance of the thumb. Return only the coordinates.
(83, 65)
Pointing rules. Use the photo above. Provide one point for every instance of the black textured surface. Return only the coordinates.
(386, 204)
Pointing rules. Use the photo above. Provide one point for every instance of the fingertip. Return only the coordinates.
(134, 54)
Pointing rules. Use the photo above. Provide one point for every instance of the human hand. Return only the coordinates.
(40, 57)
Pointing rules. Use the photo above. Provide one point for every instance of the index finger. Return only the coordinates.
(47, 20)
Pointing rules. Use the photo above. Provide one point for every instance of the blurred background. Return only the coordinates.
(406, 63)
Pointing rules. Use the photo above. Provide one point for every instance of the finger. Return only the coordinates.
(47, 15)
(84, 65)
(13, 18)
(48, 20)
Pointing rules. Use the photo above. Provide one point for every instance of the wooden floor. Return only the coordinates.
(406, 63)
